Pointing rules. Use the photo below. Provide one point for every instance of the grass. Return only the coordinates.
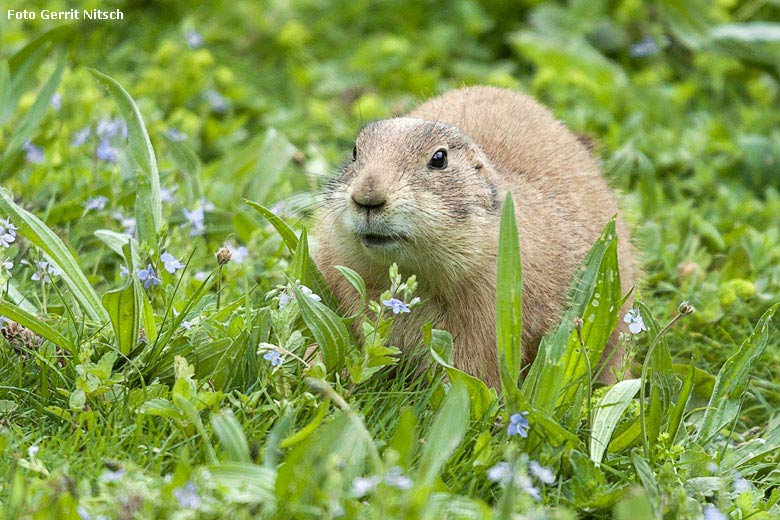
(128, 401)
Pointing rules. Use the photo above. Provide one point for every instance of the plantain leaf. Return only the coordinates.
(125, 307)
(35, 324)
(327, 328)
(608, 412)
(231, 436)
(446, 433)
(509, 301)
(34, 230)
(732, 381)
(141, 147)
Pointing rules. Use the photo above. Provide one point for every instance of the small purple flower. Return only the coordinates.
(175, 135)
(362, 486)
(217, 102)
(193, 39)
(518, 425)
(186, 325)
(81, 137)
(238, 254)
(542, 473)
(206, 204)
(395, 478)
(274, 357)
(647, 46)
(124, 271)
(196, 219)
(112, 476)
(7, 232)
(95, 203)
(6, 264)
(33, 154)
(526, 485)
(171, 263)
(44, 270)
(127, 223)
(166, 194)
(32, 451)
(188, 496)
(397, 305)
(501, 473)
(106, 152)
(56, 101)
(149, 277)
(712, 513)
(108, 128)
(635, 322)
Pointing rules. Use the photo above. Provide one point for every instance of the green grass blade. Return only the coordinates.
(327, 328)
(231, 436)
(141, 147)
(34, 230)
(29, 123)
(608, 412)
(676, 415)
(35, 324)
(509, 301)
(731, 384)
(445, 435)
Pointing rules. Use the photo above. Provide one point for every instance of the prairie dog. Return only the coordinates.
(426, 191)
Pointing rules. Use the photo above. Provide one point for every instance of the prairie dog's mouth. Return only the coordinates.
(379, 240)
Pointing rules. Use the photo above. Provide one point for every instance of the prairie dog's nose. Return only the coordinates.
(368, 193)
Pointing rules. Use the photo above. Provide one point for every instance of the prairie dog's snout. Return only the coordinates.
(369, 192)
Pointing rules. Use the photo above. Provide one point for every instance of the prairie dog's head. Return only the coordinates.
(416, 192)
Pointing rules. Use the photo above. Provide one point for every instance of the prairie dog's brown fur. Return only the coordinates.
(391, 205)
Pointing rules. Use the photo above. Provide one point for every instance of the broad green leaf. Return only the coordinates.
(125, 307)
(327, 328)
(24, 130)
(598, 321)
(285, 231)
(607, 414)
(276, 152)
(231, 436)
(35, 324)
(445, 435)
(480, 396)
(732, 381)
(509, 301)
(355, 279)
(34, 230)
(141, 147)
(117, 241)
(546, 377)
(144, 218)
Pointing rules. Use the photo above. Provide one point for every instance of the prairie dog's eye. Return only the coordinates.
(354, 154)
(438, 160)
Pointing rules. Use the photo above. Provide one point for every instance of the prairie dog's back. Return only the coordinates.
(518, 134)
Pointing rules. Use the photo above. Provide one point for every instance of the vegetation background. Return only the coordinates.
(180, 392)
